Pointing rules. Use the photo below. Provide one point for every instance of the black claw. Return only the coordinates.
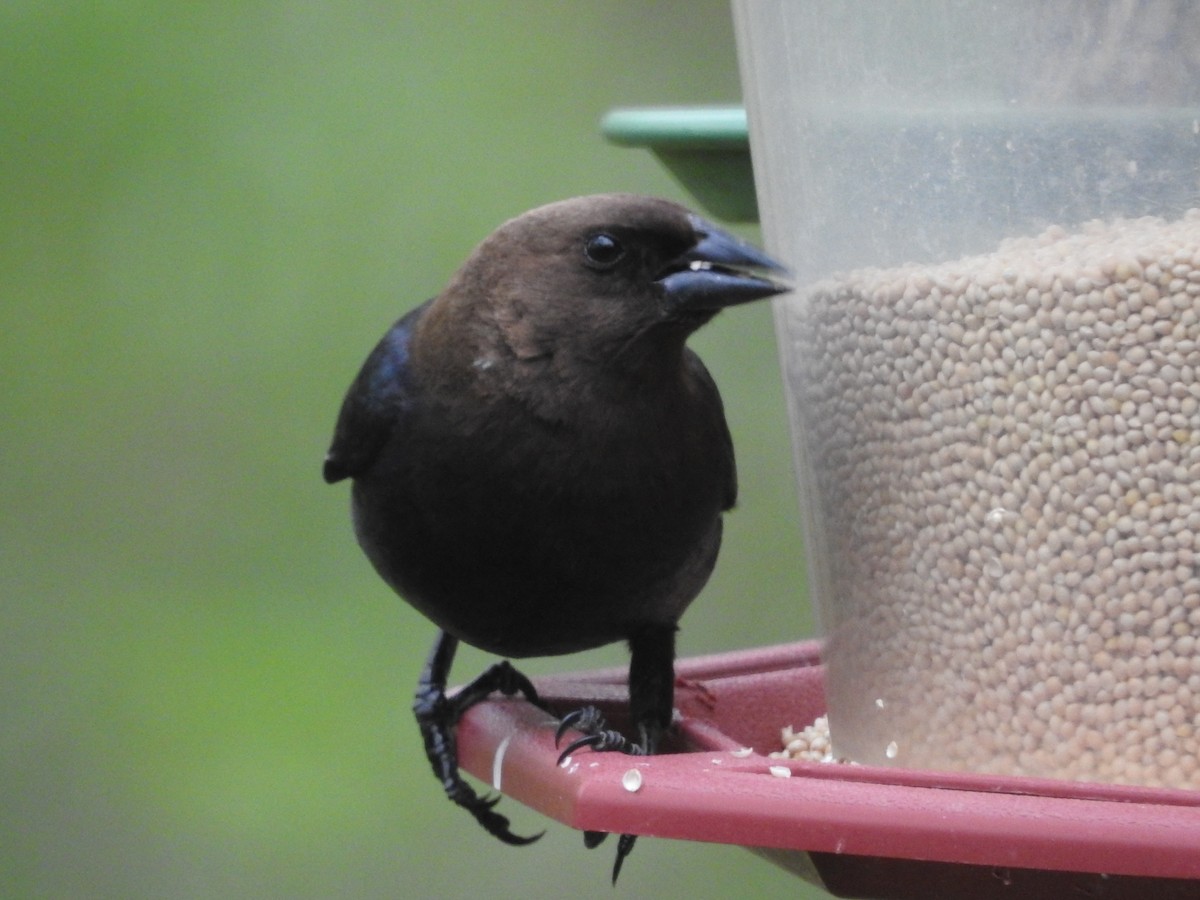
(593, 839)
(472, 802)
(600, 742)
(499, 829)
(566, 724)
(573, 746)
(624, 848)
(493, 823)
(589, 740)
(586, 719)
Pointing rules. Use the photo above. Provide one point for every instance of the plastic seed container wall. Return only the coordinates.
(993, 369)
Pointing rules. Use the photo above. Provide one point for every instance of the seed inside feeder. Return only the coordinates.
(1002, 455)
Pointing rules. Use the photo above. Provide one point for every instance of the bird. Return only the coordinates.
(540, 465)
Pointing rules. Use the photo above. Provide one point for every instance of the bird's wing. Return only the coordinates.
(374, 404)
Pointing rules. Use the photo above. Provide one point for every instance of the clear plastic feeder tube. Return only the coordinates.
(993, 370)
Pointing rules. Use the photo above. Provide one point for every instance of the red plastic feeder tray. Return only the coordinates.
(857, 831)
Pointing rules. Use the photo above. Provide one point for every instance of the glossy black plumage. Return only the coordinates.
(539, 463)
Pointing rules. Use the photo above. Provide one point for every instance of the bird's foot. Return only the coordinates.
(596, 734)
(438, 716)
(599, 737)
(481, 808)
(500, 678)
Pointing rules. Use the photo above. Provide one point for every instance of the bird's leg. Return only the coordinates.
(651, 704)
(652, 683)
(437, 717)
(651, 699)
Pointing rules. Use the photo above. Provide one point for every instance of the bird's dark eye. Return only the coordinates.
(602, 250)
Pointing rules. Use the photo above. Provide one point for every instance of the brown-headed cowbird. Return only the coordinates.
(540, 464)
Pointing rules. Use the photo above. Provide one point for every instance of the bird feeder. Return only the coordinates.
(993, 372)
(857, 831)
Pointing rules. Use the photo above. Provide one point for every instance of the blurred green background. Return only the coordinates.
(210, 213)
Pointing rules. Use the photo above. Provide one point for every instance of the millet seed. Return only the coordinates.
(1000, 454)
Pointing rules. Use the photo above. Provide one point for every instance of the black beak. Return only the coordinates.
(720, 270)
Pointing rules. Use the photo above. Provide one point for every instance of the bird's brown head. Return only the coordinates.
(609, 278)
